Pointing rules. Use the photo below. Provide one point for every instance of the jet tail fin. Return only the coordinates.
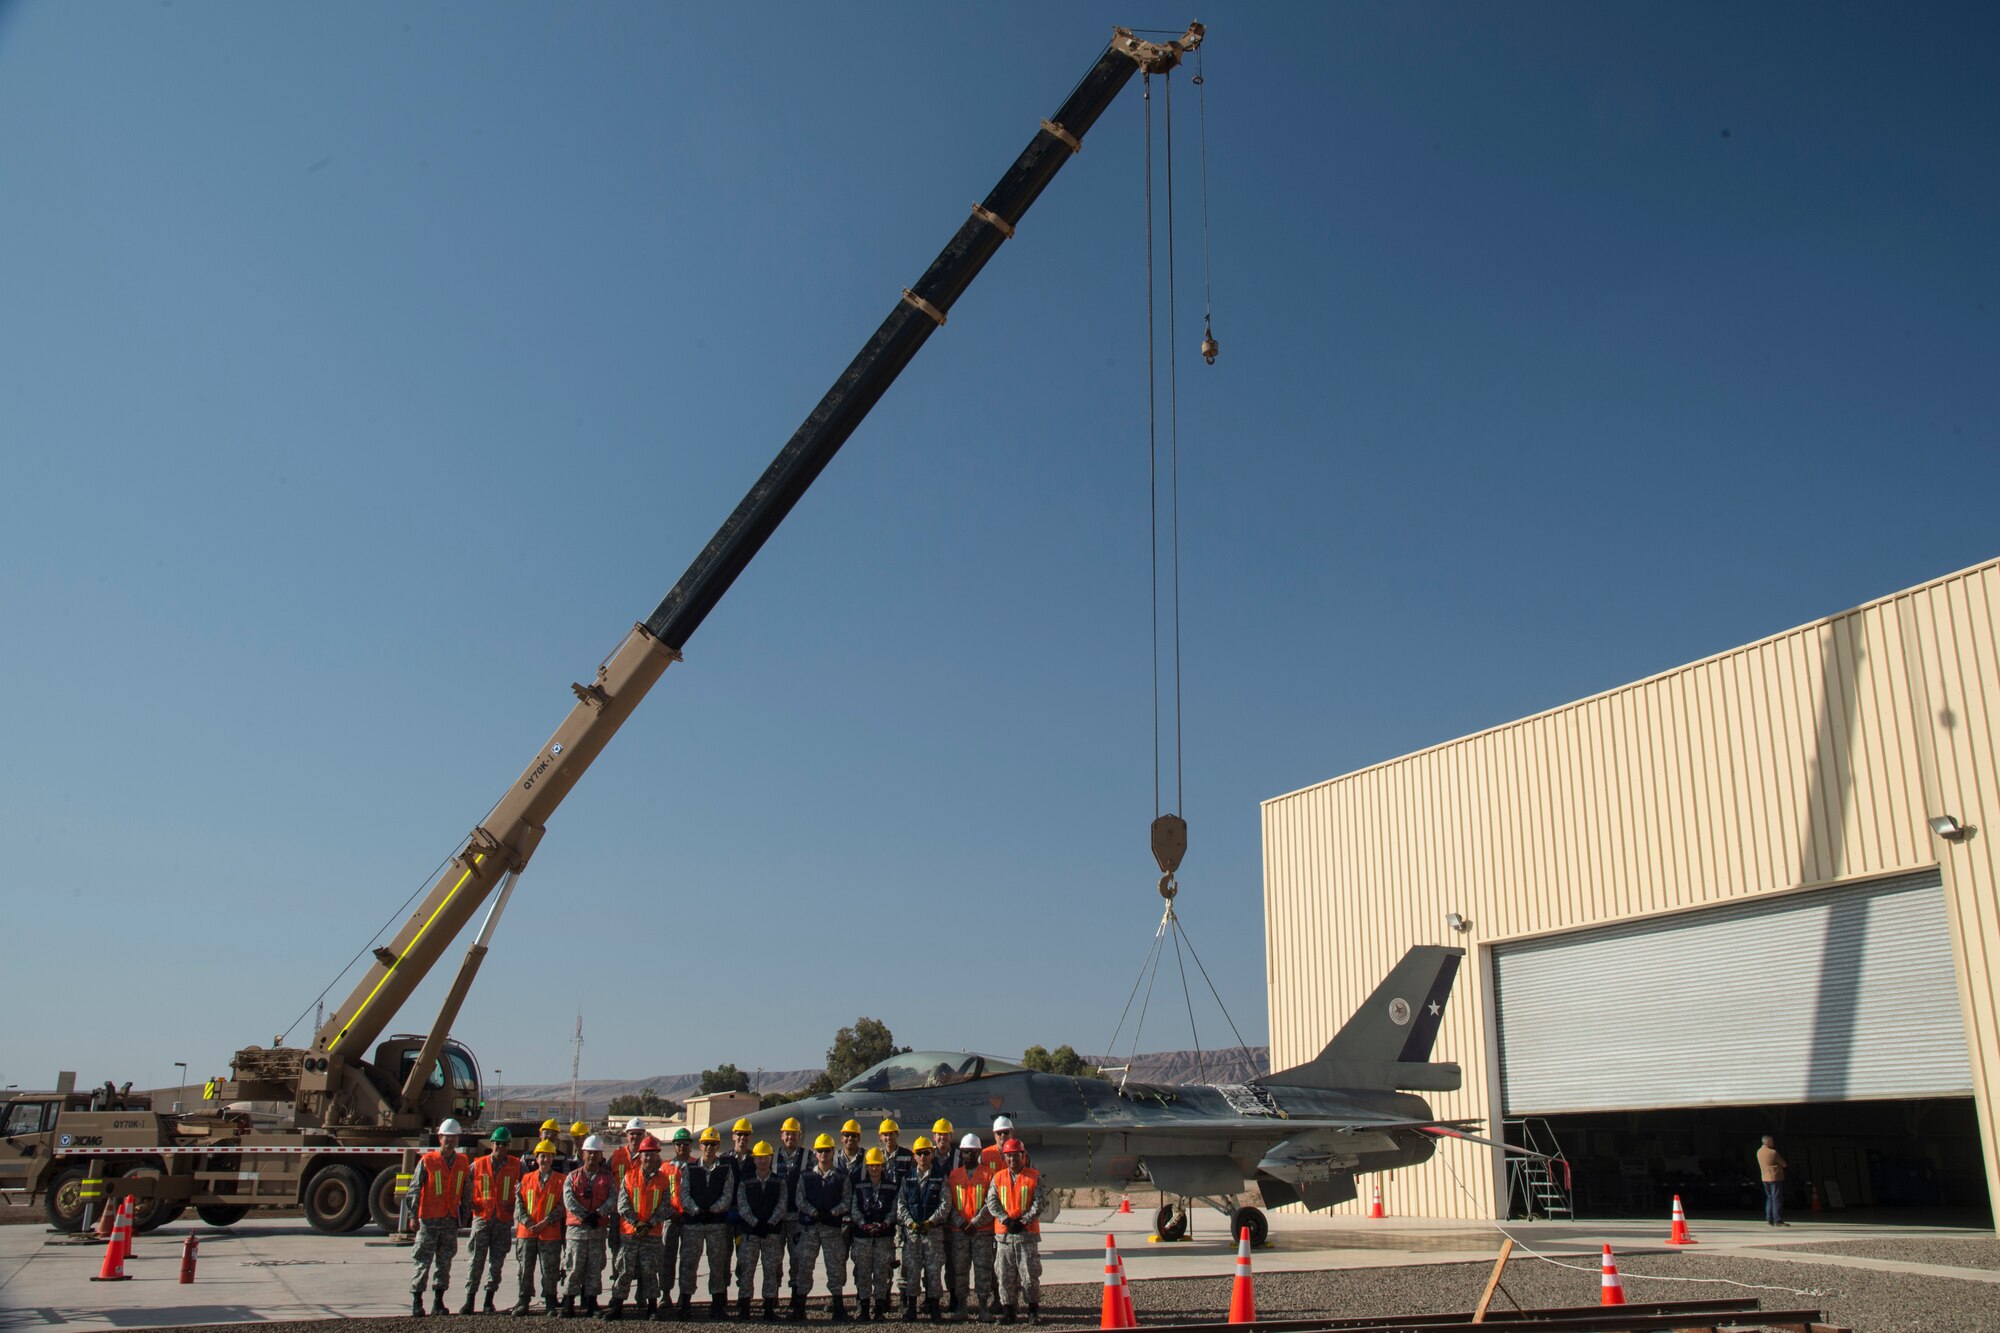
(1387, 1043)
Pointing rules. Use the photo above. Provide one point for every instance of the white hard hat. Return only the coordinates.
(1001, 1122)
(450, 1127)
(593, 1144)
(970, 1141)
(635, 1123)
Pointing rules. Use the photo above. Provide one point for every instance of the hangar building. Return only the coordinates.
(1755, 894)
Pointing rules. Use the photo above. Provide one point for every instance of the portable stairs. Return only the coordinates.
(1539, 1186)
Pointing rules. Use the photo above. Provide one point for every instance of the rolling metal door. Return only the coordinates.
(1831, 995)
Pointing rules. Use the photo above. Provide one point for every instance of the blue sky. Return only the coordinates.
(367, 370)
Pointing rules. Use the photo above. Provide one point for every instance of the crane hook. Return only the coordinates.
(1209, 346)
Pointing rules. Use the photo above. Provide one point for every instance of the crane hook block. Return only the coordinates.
(1209, 348)
(1169, 842)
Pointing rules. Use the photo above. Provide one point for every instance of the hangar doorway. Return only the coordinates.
(1914, 1156)
(1657, 1051)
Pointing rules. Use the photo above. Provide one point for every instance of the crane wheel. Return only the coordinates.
(383, 1205)
(336, 1200)
(62, 1202)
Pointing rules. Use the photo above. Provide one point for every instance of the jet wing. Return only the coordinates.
(1279, 1127)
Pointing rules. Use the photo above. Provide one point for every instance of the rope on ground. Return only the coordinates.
(1532, 1253)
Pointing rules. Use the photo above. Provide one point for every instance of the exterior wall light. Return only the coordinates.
(1459, 923)
(1947, 827)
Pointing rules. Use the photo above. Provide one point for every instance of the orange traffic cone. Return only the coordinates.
(1679, 1235)
(113, 1268)
(1613, 1292)
(1114, 1281)
(1375, 1207)
(1125, 1292)
(1124, 1203)
(1242, 1301)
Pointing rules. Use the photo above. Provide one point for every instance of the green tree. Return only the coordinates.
(645, 1102)
(1062, 1060)
(868, 1042)
(724, 1078)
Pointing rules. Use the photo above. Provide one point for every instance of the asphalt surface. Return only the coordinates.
(1868, 1302)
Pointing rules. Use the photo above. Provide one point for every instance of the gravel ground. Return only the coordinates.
(1953, 1252)
(1868, 1302)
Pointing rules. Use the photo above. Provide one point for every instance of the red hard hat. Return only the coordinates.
(649, 1144)
(1012, 1145)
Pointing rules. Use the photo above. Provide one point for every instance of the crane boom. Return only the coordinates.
(331, 1089)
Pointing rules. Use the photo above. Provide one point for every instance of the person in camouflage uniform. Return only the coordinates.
(923, 1211)
(538, 1231)
(670, 1243)
(825, 1197)
(708, 1191)
(970, 1239)
(437, 1185)
(647, 1196)
(496, 1181)
(874, 1213)
(788, 1163)
(760, 1223)
(1014, 1198)
(589, 1204)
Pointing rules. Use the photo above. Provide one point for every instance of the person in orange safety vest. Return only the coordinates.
(538, 1230)
(1014, 1199)
(496, 1181)
(648, 1195)
(439, 1186)
(969, 1239)
(589, 1195)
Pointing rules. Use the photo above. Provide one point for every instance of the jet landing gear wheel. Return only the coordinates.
(1254, 1219)
(1171, 1221)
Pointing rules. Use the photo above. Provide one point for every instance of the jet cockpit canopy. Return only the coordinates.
(927, 1069)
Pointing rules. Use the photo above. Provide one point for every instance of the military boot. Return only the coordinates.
(551, 1307)
(489, 1305)
(1007, 1313)
(569, 1307)
(648, 1312)
(664, 1313)
(799, 1306)
(686, 1303)
(770, 1310)
(614, 1312)
(865, 1314)
(590, 1305)
(417, 1306)
(437, 1303)
(519, 1308)
(839, 1315)
(742, 1307)
(936, 1314)
(986, 1315)
(1034, 1313)
(718, 1308)
(909, 1309)
(467, 1307)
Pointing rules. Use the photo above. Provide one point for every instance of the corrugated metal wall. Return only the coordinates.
(1812, 757)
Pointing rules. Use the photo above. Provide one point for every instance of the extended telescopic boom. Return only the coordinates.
(506, 838)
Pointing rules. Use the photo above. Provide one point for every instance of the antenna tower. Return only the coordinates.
(575, 1064)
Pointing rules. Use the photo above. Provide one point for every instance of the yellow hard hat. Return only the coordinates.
(742, 1126)
(923, 1144)
(549, 1127)
(823, 1141)
(874, 1157)
(851, 1127)
(888, 1127)
(791, 1125)
(943, 1129)
(545, 1146)
(711, 1135)
(762, 1149)
(578, 1130)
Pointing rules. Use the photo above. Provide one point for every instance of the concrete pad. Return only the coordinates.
(283, 1270)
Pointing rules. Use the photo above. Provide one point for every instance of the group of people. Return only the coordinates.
(966, 1222)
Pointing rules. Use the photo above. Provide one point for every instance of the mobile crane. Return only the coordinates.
(358, 1115)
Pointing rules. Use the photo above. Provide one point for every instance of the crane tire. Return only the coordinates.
(62, 1202)
(221, 1214)
(383, 1205)
(336, 1200)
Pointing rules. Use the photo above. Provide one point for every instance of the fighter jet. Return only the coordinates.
(1299, 1135)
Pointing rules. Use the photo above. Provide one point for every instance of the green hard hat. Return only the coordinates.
(501, 1135)
(682, 1136)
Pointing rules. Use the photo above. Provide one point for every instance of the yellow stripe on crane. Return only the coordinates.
(477, 857)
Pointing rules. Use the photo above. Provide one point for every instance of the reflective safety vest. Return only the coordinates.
(541, 1214)
(653, 1198)
(493, 1198)
(968, 1191)
(595, 1190)
(444, 1185)
(1017, 1196)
